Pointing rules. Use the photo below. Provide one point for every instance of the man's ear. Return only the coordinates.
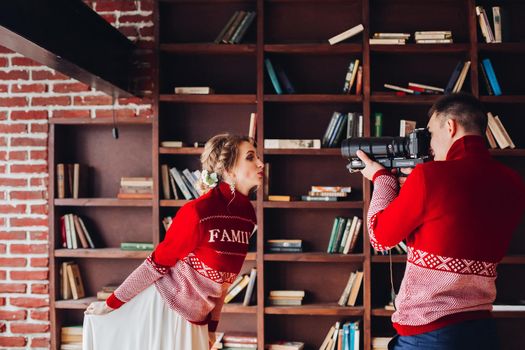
(452, 127)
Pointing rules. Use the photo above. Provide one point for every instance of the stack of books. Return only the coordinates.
(105, 292)
(489, 77)
(354, 74)
(284, 245)
(344, 337)
(136, 246)
(236, 340)
(292, 143)
(71, 180)
(380, 343)
(389, 38)
(496, 133)
(71, 281)
(71, 338)
(500, 32)
(235, 29)
(343, 237)
(242, 282)
(177, 184)
(327, 193)
(286, 297)
(74, 232)
(278, 78)
(136, 188)
(349, 295)
(286, 345)
(433, 37)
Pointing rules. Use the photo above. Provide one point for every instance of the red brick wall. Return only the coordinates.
(30, 94)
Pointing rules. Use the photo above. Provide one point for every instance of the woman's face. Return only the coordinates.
(249, 170)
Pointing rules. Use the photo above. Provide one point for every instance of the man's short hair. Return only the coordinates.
(465, 109)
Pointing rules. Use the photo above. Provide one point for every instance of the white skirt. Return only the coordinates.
(145, 322)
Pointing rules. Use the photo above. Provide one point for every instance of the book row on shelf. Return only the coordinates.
(420, 37)
(244, 340)
(344, 336)
(135, 188)
(497, 33)
(235, 29)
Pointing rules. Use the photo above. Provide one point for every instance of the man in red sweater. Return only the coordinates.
(457, 214)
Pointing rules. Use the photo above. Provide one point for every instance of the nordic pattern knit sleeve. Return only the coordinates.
(182, 238)
(392, 217)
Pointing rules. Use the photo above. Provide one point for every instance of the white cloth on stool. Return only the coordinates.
(145, 322)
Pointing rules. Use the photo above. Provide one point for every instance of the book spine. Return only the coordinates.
(226, 27)
(492, 77)
(329, 129)
(335, 129)
(245, 27)
(332, 234)
(346, 87)
(273, 76)
(284, 79)
(233, 27)
(486, 79)
(341, 129)
(496, 17)
(378, 124)
(239, 28)
(359, 83)
(454, 77)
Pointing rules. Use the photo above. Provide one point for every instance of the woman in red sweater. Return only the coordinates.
(173, 300)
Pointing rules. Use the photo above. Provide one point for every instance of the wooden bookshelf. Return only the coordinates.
(294, 33)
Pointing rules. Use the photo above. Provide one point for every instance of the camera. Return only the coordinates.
(391, 152)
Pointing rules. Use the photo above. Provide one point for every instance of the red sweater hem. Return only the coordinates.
(441, 323)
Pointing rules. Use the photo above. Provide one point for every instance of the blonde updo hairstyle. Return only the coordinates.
(220, 155)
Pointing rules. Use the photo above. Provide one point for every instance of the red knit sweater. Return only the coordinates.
(201, 255)
(457, 217)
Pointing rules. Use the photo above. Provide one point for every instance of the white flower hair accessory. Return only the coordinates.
(210, 179)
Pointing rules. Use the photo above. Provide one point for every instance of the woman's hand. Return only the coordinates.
(211, 339)
(98, 308)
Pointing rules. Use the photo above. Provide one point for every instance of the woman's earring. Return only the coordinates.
(232, 187)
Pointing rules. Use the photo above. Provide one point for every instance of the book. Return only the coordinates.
(434, 41)
(250, 287)
(173, 144)
(386, 41)
(239, 35)
(286, 345)
(504, 131)
(454, 77)
(237, 289)
(233, 27)
(177, 176)
(399, 88)
(346, 292)
(75, 281)
(391, 35)
(280, 198)
(378, 124)
(241, 28)
(406, 127)
(219, 37)
(346, 234)
(292, 144)
(426, 87)
(354, 234)
(319, 198)
(346, 34)
(253, 125)
(359, 81)
(333, 234)
(165, 176)
(136, 246)
(285, 242)
(193, 90)
(288, 87)
(317, 188)
(486, 79)
(287, 293)
(273, 76)
(356, 286)
(492, 77)
(80, 232)
(86, 233)
(329, 129)
(65, 287)
(459, 83)
(61, 180)
(328, 194)
(240, 337)
(490, 138)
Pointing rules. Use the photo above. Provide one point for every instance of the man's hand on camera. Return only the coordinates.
(371, 167)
